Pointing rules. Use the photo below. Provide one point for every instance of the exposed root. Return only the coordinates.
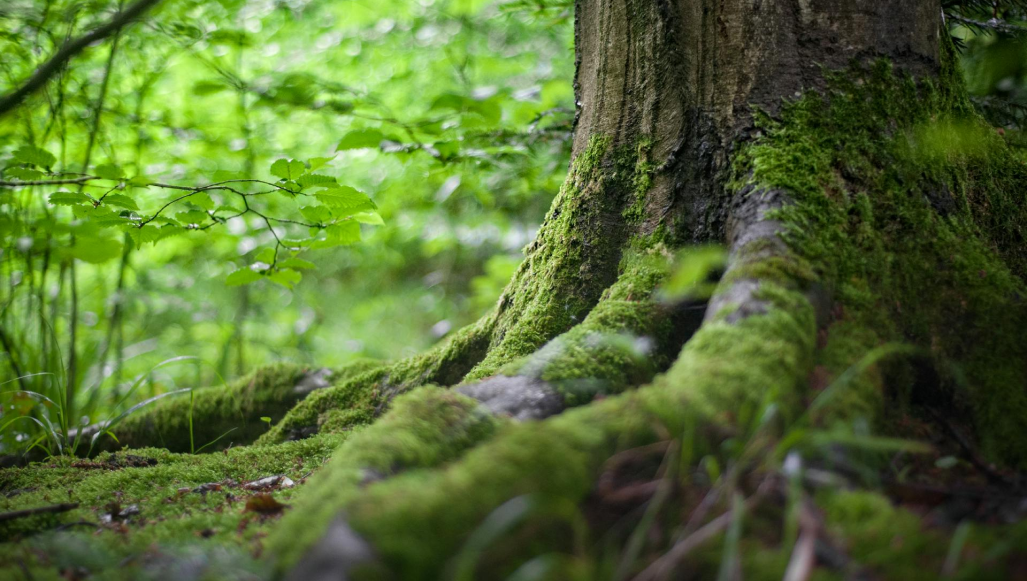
(225, 414)
(726, 367)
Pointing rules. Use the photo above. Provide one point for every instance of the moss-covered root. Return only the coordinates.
(359, 399)
(623, 342)
(227, 414)
(416, 521)
(424, 428)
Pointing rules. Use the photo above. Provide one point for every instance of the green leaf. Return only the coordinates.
(108, 171)
(120, 201)
(372, 218)
(286, 278)
(35, 156)
(243, 276)
(316, 214)
(95, 250)
(192, 217)
(340, 234)
(139, 181)
(311, 179)
(203, 88)
(24, 173)
(344, 200)
(146, 235)
(296, 263)
(224, 175)
(63, 198)
(288, 170)
(360, 139)
(202, 200)
(319, 162)
(266, 254)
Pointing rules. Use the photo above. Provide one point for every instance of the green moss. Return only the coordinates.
(894, 543)
(232, 411)
(726, 372)
(641, 167)
(424, 428)
(361, 398)
(151, 480)
(622, 342)
(913, 211)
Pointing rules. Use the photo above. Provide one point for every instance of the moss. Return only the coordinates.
(913, 211)
(232, 411)
(168, 519)
(894, 543)
(725, 373)
(637, 161)
(424, 428)
(623, 341)
(361, 398)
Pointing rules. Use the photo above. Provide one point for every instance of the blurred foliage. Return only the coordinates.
(453, 116)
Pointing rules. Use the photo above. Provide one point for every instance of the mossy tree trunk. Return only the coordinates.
(830, 146)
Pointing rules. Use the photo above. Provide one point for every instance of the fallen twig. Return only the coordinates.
(14, 514)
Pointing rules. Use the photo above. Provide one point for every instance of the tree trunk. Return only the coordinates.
(876, 234)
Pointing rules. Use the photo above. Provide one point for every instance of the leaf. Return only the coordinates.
(202, 200)
(120, 201)
(192, 217)
(288, 170)
(344, 200)
(139, 181)
(35, 156)
(285, 277)
(372, 218)
(224, 175)
(319, 162)
(296, 263)
(108, 171)
(360, 139)
(146, 235)
(266, 254)
(340, 234)
(203, 88)
(95, 250)
(310, 179)
(243, 276)
(24, 173)
(63, 198)
(316, 214)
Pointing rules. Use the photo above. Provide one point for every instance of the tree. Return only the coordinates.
(875, 279)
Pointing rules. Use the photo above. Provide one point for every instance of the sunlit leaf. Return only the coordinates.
(361, 138)
(33, 155)
(68, 198)
(344, 200)
(288, 170)
(120, 201)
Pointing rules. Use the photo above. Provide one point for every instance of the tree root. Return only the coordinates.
(413, 522)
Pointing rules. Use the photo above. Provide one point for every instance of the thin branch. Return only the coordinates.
(994, 24)
(5, 516)
(69, 50)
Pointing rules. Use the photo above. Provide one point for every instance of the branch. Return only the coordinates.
(41, 510)
(995, 25)
(69, 50)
